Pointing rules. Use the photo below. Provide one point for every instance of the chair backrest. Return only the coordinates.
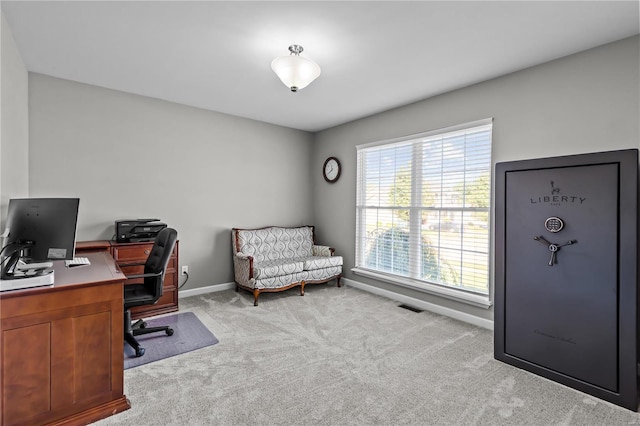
(159, 259)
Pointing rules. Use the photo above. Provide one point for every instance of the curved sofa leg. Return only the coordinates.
(256, 294)
(302, 288)
(338, 280)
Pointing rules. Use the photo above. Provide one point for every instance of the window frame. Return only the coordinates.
(476, 298)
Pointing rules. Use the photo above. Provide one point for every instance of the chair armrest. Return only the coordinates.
(150, 274)
(323, 250)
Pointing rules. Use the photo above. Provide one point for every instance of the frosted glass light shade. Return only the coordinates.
(295, 71)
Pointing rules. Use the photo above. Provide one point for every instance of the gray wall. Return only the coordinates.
(201, 172)
(14, 121)
(586, 102)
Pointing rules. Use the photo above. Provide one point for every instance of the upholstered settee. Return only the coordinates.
(279, 258)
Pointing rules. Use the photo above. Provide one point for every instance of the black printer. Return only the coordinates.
(138, 230)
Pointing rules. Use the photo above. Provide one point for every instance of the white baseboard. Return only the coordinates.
(421, 304)
(204, 290)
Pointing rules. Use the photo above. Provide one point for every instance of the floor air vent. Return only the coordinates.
(410, 308)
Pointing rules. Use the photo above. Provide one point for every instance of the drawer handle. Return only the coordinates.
(147, 251)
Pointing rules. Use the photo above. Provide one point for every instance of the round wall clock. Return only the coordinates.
(331, 169)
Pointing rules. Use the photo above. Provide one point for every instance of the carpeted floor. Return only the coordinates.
(340, 356)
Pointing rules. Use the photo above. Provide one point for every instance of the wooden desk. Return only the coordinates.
(61, 347)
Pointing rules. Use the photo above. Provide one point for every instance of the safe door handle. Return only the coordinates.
(553, 248)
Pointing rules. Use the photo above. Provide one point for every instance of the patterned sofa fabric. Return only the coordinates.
(276, 268)
(277, 258)
(275, 243)
(320, 262)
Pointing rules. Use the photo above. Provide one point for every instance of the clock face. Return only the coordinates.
(331, 169)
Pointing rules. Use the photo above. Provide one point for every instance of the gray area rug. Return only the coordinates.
(189, 334)
(341, 356)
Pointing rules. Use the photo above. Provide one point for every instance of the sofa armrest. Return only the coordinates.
(243, 269)
(323, 250)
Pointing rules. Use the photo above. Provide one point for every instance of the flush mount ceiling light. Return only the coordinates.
(295, 71)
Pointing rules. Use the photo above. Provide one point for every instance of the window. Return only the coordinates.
(422, 210)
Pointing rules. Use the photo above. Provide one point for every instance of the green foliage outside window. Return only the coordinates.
(477, 195)
(400, 193)
(390, 253)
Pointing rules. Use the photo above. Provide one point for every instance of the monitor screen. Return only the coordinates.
(45, 228)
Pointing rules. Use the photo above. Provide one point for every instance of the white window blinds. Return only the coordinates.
(422, 207)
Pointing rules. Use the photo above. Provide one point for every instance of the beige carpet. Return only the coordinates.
(340, 356)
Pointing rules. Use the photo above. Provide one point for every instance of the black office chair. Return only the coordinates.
(148, 292)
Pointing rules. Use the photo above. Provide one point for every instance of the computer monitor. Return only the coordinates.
(40, 229)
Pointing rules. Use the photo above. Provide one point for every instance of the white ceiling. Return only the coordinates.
(374, 55)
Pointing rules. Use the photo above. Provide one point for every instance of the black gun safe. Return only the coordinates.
(566, 256)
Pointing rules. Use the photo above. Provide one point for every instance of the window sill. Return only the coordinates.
(479, 300)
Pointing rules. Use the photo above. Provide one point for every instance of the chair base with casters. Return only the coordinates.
(139, 328)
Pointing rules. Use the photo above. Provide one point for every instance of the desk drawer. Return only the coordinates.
(132, 254)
